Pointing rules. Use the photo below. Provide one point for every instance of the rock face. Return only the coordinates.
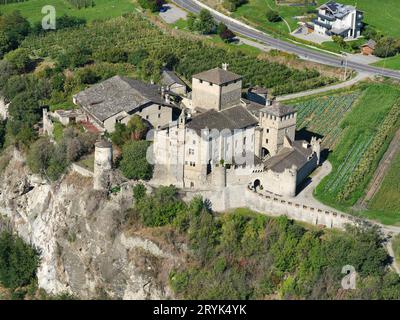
(84, 250)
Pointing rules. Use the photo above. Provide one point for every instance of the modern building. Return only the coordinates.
(117, 99)
(338, 19)
(223, 139)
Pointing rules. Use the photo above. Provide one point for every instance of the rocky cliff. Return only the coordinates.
(86, 249)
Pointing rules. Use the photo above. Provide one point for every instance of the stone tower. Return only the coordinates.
(276, 122)
(216, 89)
(102, 165)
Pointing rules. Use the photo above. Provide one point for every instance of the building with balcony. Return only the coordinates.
(337, 19)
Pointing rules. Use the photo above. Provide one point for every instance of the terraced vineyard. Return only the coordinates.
(357, 127)
(323, 115)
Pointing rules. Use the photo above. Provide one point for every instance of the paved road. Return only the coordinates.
(360, 76)
(310, 54)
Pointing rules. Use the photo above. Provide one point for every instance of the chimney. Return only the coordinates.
(225, 66)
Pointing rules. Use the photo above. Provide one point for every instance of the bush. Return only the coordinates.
(20, 59)
(273, 16)
(134, 164)
(18, 261)
(160, 208)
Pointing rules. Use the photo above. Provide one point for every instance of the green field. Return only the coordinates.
(385, 205)
(349, 123)
(103, 9)
(389, 63)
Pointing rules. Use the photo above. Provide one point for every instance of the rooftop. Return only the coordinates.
(232, 118)
(217, 76)
(169, 78)
(337, 9)
(118, 94)
(276, 109)
(296, 155)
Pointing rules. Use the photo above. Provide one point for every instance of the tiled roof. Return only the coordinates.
(217, 76)
(168, 78)
(296, 155)
(118, 94)
(232, 118)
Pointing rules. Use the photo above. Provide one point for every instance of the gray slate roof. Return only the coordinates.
(276, 109)
(370, 43)
(287, 157)
(232, 118)
(169, 78)
(217, 76)
(116, 95)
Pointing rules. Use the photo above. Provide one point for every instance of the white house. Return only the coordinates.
(338, 19)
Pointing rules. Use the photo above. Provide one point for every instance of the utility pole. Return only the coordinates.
(344, 54)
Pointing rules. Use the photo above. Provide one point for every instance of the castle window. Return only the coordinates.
(267, 130)
(159, 116)
(194, 141)
(211, 84)
(191, 151)
(266, 140)
(244, 140)
(201, 81)
(147, 117)
(159, 107)
(192, 184)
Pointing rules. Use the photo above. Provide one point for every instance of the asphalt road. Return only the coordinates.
(302, 52)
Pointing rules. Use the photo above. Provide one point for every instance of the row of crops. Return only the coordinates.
(357, 127)
(323, 115)
(81, 3)
(133, 32)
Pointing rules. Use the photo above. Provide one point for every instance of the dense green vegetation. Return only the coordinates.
(185, 56)
(134, 163)
(51, 160)
(396, 247)
(390, 63)
(153, 5)
(244, 255)
(18, 262)
(103, 9)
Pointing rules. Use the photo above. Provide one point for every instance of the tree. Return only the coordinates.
(273, 16)
(153, 5)
(134, 164)
(39, 155)
(138, 56)
(225, 33)
(18, 261)
(386, 47)
(20, 59)
(340, 41)
(13, 29)
(206, 23)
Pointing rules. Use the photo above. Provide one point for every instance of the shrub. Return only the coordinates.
(273, 16)
(18, 261)
(20, 59)
(134, 164)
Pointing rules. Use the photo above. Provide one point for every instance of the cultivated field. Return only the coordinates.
(31, 9)
(356, 128)
(385, 205)
(366, 133)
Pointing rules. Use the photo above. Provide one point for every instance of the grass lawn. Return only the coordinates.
(383, 15)
(390, 63)
(359, 128)
(396, 247)
(103, 9)
(255, 12)
(385, 205)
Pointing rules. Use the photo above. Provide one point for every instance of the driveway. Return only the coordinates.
(173, 13)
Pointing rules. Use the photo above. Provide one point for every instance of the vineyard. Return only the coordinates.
(323, 114)
(82, 3)
(186, 56)
(10, 1)
(365, 133)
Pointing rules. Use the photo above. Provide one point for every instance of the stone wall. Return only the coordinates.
(81, 170)
(238, 196)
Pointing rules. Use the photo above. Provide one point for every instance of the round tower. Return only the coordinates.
(102, 165)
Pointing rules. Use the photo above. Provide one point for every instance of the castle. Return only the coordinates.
(222, 139)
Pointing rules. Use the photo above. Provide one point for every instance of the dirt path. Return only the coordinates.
(359, 77)
(380, 172)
